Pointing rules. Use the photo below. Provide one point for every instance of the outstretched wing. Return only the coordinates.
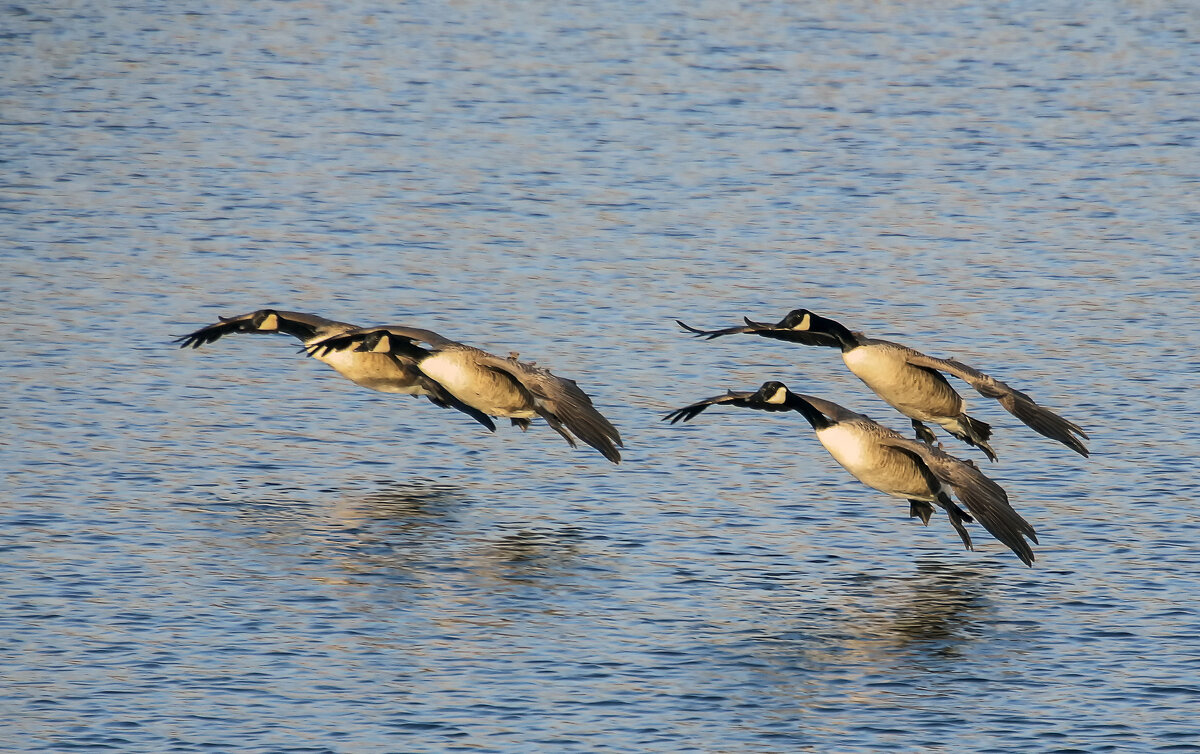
(1041, 420)
(561, 402)
(766, 330)
(986, 500)
(754, 400)
(731, 398)
(398, 340)
(297, 324)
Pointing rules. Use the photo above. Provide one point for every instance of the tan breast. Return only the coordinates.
(376, 371)
(888, 470)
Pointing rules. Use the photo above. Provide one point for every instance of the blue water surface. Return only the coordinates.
(233, 549)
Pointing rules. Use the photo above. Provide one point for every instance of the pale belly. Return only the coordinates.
(912, 391)
(376, 371)
(888, 470)
(491, 391)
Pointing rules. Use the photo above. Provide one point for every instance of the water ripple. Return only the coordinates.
(232, 549)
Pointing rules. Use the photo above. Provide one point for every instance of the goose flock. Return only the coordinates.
(449, 373)
(413, 361)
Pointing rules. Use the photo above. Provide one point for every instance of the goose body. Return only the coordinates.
(383, 372)
(489, 384)
(921, 394)
(857, 449)
(914, 383)
(882, 459)
(379, 372)
(493, 391)
(916, 393)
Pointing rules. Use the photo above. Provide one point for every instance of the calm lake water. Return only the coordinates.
(233, 549)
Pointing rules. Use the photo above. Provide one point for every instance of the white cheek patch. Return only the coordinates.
(779, 397)
(270, 323)
(805, 321)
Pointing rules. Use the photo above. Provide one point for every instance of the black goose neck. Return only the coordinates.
(808, 411)
(846, 339)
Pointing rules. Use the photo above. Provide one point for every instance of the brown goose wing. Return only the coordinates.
(562, 403)
(986, 500)
(1038, 418)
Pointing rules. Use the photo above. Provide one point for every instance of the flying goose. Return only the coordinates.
(503, 387)
(912, 382)
(882, 459)
(387, 373)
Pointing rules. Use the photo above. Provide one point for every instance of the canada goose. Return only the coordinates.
(912, 383)
(880, 458)
(496, 386)
(387, 373)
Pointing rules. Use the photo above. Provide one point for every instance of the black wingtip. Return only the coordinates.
(191, 340)
(1075, 444)
(1021, 548)
(687, 413)
(710, 334)
(694, 331)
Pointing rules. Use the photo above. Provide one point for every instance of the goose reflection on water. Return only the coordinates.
(942, 607)
(400, 506)
(424, 534)
(938, 609)
(391, 525)
(917, 618)
(878, 646)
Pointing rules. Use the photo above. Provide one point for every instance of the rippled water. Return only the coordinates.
(233, 549)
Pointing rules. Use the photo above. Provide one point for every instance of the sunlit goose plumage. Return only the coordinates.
(884, 460)
(496, 386)
(385, 372)
(912, 382)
